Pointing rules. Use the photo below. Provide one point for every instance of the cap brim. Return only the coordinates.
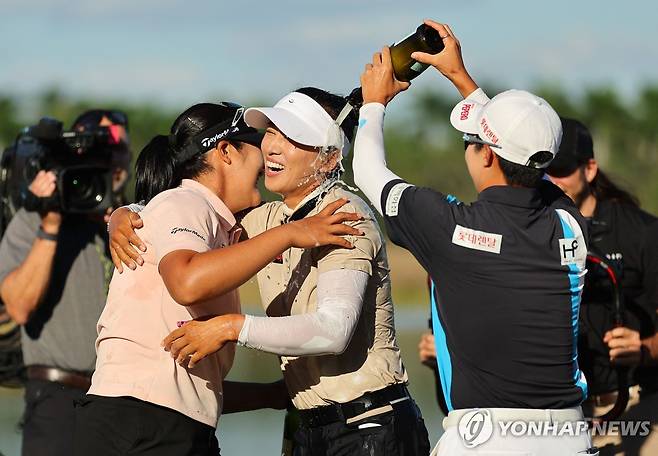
(466, 115)
(291, 125)
(254, 138)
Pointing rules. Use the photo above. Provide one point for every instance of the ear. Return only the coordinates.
(225, 151)
(591, 170)
(487, 156)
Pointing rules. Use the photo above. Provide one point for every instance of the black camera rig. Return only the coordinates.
(81, 160)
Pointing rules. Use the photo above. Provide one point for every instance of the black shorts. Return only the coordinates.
(49, 418)
(113, 426)
(400, 432)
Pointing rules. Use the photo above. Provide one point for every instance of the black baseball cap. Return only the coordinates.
(91, 118)
(575, 149)
(233, 128)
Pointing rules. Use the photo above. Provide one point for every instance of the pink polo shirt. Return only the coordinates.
(139, 311)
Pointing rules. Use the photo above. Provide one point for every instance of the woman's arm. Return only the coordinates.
(191, 276)
(379, 87)
(326, 331)
(371, 173)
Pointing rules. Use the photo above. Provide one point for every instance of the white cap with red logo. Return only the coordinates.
(517, 122)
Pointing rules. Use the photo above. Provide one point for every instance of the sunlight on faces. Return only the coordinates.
(478, 162)
(294, 170)
(241, 167)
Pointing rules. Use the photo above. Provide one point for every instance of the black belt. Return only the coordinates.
(78, 380)
(320, 416)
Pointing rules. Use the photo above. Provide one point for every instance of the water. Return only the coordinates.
(260, 432)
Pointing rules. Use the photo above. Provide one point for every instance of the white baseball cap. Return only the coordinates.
(303, 120)
(516, 123)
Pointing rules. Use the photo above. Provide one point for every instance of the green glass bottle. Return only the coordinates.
(424, 39)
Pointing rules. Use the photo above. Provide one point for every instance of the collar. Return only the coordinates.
(306, 205)
(545, 194)
(226, 217)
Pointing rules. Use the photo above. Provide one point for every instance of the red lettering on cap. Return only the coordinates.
(490, 135)
(465, 111)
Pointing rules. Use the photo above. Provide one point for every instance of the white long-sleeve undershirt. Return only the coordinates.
(369, 164)
(327, 331)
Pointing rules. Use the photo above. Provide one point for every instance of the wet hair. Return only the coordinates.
(334, 104)
(158, 167)
(604, 189)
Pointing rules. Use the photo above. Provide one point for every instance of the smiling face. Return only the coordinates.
(293, 170)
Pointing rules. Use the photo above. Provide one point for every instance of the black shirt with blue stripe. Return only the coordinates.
(507, 273)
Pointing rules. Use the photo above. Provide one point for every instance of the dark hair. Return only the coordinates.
(157, 168)
(334, 104)
(604, 189)
(520, 175)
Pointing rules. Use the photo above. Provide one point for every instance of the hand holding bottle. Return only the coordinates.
(378, 81)
(449, 62)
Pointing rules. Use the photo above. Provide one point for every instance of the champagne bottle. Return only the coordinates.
(424, 39)
(290, 426)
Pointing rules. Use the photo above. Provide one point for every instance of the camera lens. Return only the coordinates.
(84, 188)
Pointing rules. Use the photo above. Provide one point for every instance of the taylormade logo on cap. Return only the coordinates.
(520, 123)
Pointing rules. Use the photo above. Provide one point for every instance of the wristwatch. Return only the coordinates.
(41, 234)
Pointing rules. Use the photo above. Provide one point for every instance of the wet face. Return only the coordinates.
(292, 170)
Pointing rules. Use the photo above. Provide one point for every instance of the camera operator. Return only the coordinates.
(54, 273)
(619, 234)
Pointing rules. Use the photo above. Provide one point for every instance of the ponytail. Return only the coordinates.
(154, 169)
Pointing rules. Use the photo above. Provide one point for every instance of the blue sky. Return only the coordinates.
(179, 52)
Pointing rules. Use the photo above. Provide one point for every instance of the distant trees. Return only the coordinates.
(422, 146)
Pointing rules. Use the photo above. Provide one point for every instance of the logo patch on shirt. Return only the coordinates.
(187, 230)
(572, 251)
(393, 198)
(477, 240)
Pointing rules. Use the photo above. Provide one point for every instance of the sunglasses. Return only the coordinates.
(475, 139)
